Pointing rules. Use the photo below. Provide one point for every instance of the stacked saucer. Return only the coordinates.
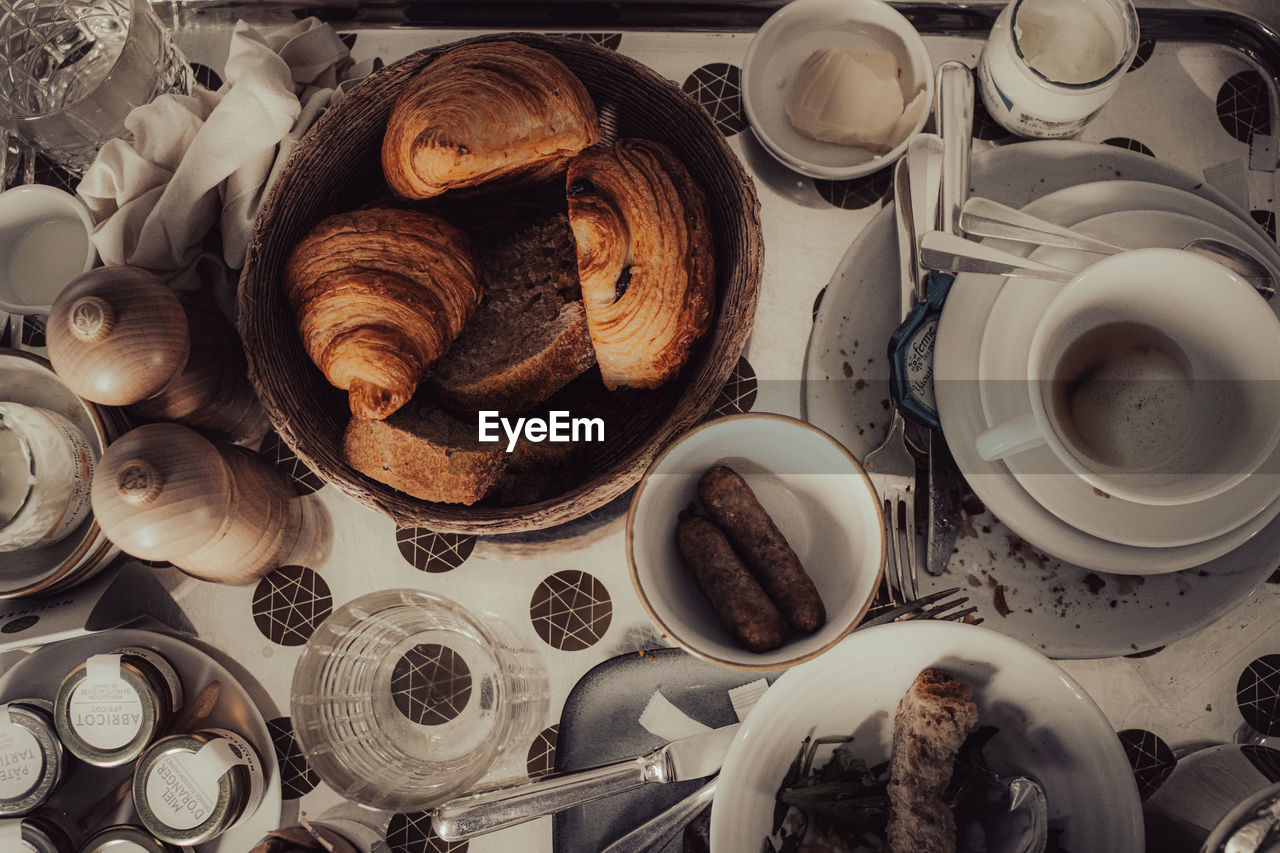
(1130, 535)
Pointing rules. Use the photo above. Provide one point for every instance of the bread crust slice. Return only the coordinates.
(930, 726)
(424, 452)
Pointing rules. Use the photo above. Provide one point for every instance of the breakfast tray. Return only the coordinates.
(1202, 96)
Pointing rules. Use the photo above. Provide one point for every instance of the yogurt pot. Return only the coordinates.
(46, 471)
(1049, 65)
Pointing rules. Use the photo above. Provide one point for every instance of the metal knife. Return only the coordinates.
(487, 811)
(954, 86)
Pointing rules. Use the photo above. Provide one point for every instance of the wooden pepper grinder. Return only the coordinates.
(216, 511)
(120, 337)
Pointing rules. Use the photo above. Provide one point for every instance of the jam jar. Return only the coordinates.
(113, 706)
(191, 788)
(125, 839)
(31, 759)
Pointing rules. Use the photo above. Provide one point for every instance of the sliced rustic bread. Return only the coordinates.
(528, 338)
(929, 728)
(425, 452)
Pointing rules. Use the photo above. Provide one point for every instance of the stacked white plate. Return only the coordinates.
(1197, 563)
(1174, 537)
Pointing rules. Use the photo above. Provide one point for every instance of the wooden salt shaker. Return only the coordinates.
(218, 512)
(120, 337)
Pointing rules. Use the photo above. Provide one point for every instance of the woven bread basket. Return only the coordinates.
(336, 167)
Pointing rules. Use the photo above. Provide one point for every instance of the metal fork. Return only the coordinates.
(932, 606)
(892, 470)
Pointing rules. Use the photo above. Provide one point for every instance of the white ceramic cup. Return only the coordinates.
(44, 244)
(1153, 376)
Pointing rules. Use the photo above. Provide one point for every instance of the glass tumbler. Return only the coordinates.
(402, 699)
(71, 71)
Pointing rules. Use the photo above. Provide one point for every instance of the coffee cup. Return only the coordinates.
(1153, 376)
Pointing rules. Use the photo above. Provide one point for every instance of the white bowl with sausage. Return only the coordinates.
(1047, 728)
(819, 500)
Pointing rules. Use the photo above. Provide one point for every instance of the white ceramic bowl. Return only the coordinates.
(787, 39)
(816, 493)
(1049, 729)
(44, 244)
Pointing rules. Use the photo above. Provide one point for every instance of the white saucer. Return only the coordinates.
(1066, 608)
(1216, 522)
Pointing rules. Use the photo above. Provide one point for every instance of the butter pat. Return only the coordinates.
(852, 97)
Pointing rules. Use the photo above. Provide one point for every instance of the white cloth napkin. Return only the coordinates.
(207, 159)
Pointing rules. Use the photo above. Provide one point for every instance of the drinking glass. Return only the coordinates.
(402, 699)
(72, 70)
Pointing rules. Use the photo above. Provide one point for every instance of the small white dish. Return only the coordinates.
(44, 244)
(816, 493)
(787, 39)
(1049, 729)
(1005, 343)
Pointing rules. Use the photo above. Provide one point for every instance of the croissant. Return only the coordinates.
(379, 294)
(641, 225)
(482, 112)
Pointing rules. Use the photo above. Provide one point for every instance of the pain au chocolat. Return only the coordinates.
(379, 294)
(643, 237)
(485, 112)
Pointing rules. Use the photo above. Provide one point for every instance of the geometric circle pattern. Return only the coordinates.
(541, 760)
(1146, 47)
(1129, 145)
(1151, 759)
(1244, 106)
(305, 481)
(290, 603)
(858, 193)
(431, 684)
(738, 394)
(984, 126)
(412, 833)
(33, 331)
(207, 77)
(1267, 219)
(431, 551)
(613, 41)
(571, 610)
(297, 779)
(55, 176)
(1264, 759)
(718, 88)
(1258, 695)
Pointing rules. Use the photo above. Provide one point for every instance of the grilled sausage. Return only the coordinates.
(734, 508)
(739, 601)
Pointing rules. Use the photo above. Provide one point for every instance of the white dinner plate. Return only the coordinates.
(37, 677)
(1048, 728)
(1218, 524)
(1065, 609)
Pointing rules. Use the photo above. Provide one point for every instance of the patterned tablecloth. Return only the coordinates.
(1199, 106)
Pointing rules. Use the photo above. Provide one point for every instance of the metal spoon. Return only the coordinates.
(982, 217)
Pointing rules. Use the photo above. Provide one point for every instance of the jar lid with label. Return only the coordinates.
(35, 833)
(112, 707)
(125, 839)
(190, 788)
(31, 761)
